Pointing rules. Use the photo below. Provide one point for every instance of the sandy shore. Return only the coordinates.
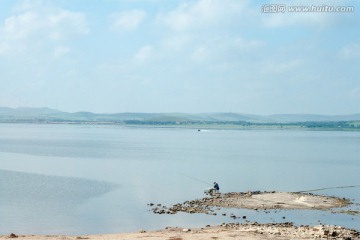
(250, 231)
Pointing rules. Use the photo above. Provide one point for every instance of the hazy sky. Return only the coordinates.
(179, 56)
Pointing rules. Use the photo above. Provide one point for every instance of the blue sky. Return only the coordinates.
(179, 56)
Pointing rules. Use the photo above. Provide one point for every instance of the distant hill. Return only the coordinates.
(51, 115)
(312, 118)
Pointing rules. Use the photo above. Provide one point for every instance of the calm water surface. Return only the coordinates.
(78, 179)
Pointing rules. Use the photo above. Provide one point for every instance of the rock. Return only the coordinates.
(12, 235)
(244, 217)
(186, 230)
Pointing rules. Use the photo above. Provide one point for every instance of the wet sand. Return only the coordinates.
(250, 231)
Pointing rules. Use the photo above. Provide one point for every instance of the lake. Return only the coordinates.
(92, 179)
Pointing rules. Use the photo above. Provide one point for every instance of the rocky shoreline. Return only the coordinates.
(258, 201)
(253, 200)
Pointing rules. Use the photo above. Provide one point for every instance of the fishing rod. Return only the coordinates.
(194, 178)
(311, 190)
(320, 189)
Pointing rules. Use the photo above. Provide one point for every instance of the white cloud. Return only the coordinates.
(143, 54)
(202, 13)
(60, 51)
(197, 27)
(176, 42)
(128, 20)
(63, 24)
(289, 19)
(224, 49)
(241, 43)
(280, 67)
(40, 23)
(201, 53)
(29, 5)
(350, 51)
(19, 26)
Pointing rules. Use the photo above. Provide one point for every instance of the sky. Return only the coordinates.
(109, 56)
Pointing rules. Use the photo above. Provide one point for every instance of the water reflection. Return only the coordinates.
(44, 201)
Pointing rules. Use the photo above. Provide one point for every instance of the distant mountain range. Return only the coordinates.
(51, 115)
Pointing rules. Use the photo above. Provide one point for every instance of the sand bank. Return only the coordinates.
(250, 231)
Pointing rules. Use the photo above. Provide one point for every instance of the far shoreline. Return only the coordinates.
(302, 126)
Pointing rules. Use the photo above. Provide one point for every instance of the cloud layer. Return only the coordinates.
(182, 56)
